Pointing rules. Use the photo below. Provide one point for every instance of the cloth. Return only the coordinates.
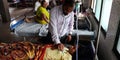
(46, 53)
(57, 55)
(28, 29)
(60, 24)
(41, 10)
(43, 30)
(37, 4)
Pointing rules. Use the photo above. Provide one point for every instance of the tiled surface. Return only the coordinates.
(15, 12)
(8, 37)
(5, 33)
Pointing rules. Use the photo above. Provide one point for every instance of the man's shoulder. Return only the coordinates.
(72, 13)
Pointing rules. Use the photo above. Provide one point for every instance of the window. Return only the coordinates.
(105, 15)
(93, 5)
(118, 45)
(102, 10)
(98, 9)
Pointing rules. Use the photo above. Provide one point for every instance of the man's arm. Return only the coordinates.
(70, 28)
(71, 23)
(53, 26)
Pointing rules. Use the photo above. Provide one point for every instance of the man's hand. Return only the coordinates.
(69, 38)
(59, 46)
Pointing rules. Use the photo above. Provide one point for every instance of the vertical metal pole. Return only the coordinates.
(98, 34)
(77, 36)
(98, 39)
(77, 42)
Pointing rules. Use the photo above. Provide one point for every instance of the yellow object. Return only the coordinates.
(41, 10)
(57, 54)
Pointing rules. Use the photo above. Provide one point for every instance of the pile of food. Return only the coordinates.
(30, 51)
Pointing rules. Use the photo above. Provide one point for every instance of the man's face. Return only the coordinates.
(67, 10)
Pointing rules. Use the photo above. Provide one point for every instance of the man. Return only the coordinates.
(61, 23)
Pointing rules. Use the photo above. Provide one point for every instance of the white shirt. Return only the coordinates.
(60, 24)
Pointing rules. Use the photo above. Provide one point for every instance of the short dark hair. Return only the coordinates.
(70, 3)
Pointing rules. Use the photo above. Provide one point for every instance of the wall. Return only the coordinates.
(85, 3)
(106, 43)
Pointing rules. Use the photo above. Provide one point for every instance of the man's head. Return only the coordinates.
(68, 6)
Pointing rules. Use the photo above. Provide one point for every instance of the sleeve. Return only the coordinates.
(53, 26)
(71, 23)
